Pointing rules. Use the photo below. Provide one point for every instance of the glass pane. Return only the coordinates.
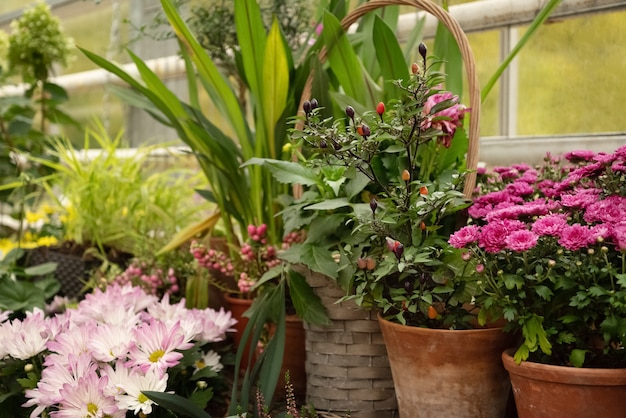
(571, 77)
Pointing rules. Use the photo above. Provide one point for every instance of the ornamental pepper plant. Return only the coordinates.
(386, 184)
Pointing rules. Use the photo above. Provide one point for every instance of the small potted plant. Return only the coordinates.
(549, 251)
(397, 172)
(257, 271)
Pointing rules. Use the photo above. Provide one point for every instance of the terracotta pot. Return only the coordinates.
(543, 390)
(238, 307)
(447, 373)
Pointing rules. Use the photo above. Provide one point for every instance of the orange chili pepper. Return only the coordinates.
(432, 312)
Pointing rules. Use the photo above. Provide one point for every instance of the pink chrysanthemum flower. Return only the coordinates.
(550, 225)
(576, 236)
(464, 236)
(155, 347)
(87, 399)
(24, 339)
(521, 240)
(493, 235)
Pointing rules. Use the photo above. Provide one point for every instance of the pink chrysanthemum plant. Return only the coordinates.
(382, 193)
(100, 358)
(548, 246)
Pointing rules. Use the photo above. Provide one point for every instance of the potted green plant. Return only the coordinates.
(548, 248)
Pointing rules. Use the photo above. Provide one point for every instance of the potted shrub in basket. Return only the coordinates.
(548, 245)
(407, 160)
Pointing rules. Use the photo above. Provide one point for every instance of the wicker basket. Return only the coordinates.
(347, 365)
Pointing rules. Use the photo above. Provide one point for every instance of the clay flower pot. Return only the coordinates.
(546, 391)
(447, 373)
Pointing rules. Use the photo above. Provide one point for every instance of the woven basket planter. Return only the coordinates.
(346, 362)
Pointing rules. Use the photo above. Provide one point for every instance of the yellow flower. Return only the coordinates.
(6, 245)
(47, 209)
(47, 241)
(33, 217)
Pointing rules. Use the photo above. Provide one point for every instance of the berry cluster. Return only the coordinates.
(153, 280)
(254, 258)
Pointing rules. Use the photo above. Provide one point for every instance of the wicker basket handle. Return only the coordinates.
(468, 59)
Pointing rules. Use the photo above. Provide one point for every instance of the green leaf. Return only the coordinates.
(316, 258)
(177, 404)
(342, 59)
(512, 281)
(19, 295)
(535, 335)
(329, 204)
(308, 305)
(390, 57)
(577, 357)
(286, 171)
(544, 292)
(40, 269)
(252, 39)
(276, 85)
(49, 286)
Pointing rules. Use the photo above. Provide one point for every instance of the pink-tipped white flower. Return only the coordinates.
(87, 399)
(132, 398)
(155, 347)
(26, 338)
(110, 342)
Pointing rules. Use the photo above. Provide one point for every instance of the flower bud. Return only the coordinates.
(551, 263)
(480, 268)
(591, 251)
(201, 384)
(466, 256)
(373, 204)
(28, 367)
(306, 106)
(422, 50)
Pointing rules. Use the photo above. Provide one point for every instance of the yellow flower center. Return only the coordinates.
(142, 398)
(200, 364)
(92, 408)
(156, 355)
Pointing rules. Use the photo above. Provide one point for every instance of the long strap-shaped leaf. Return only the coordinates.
(219, 89)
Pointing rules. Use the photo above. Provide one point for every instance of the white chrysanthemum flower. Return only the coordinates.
(133, 399)
(212, 360)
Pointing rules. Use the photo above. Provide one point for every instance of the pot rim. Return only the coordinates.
(554, 373)
(492, 329)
